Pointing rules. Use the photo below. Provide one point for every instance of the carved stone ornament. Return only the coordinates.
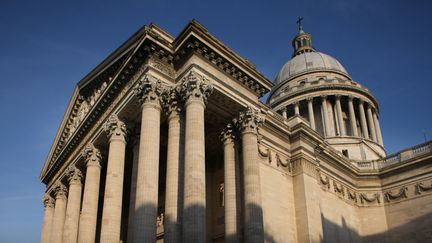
(91, 155)
(115, 127)
(248, 120)
(171, 102)
(390, 196)
(195, 86)
(324, 180)
(352, 195)
(420, 187)
(149, 89)
(265, 153)
(60, 190)
(338, 188)
(74, 175)
(284, 163)
(227, 134)
(48, 201)
(364, 198)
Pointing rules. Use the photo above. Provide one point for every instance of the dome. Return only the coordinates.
(309, 62)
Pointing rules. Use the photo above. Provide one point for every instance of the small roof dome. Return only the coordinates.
(309, 62)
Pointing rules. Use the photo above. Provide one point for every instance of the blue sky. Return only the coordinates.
(48, 46)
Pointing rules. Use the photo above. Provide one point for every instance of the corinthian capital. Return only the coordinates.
(115, 128)
(195, 86)
(248, 120)
(48, 201)
(149, 89)
(60, 190)
(172, 101)
(227, 134)
(74, 175)
(92, 155)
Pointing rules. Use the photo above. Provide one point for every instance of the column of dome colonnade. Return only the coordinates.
(368, 116)
(148, 91)
(113, 196)
(230, 189)
(70, 232)
(88, 217)
(60, 192)
(194, 89)
(247, 123)
(49, 203)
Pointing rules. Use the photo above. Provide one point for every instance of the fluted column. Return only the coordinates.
(175, 155)
(230, 192)
(377, 128)
(363, 123)
(48, 202)
(296, 108)
(59, 213)
(311, 113)
(70, 234)
(135, 151)
(340, 117)
(371, 123)
(88, 217)
(148, 91)
(195, 89)
(248, 122)
(284, 113)
(326, 126)
(112, 205)
(352, 117)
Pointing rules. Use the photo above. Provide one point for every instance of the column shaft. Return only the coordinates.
(174, 156)
(325, 116)
(230, 203)
(59, 215)
(194, 211)
(311, 113)
(112, 205)
(371, 123)
(70, 234)
(363, 120)
(133, 188)
(296, 109)
(352, 117)
(340, 117)
(88, 218)
(284, 113)
(146, 201)
(378, 128)
(48, 218)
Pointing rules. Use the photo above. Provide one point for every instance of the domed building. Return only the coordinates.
(167, 140)
(316, 87)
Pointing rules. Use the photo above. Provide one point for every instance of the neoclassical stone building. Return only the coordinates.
(167, 140)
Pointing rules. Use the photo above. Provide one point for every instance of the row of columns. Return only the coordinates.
(66, 220)
(369, 122)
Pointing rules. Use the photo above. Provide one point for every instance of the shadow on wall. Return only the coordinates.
(416, 230)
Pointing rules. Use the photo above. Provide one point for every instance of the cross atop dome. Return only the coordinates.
(303, 41)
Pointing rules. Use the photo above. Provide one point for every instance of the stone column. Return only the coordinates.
(195, 89)
(378, 128)
(352, 116)
(88, 217)
(248, 122)
(112, 205)
(339, 115)
(363, 120)
(59, 213)
(230, 197)
(326, 126)
(284, 113)
(175, 155)
(70, 234)
(135, 152)
(148, 91)
(48, 202)
(311, 113)
(296, 108)
(371, 123)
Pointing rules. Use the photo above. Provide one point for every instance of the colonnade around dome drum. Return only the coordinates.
(337, 116)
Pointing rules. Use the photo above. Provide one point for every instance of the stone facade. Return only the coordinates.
(167, 140)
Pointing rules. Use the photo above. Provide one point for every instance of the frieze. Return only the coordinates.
(284, 163)
(421, 187)
(390, 196)
(338, 188)
(374, 198)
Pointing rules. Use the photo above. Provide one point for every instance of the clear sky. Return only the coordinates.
(46, 47)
